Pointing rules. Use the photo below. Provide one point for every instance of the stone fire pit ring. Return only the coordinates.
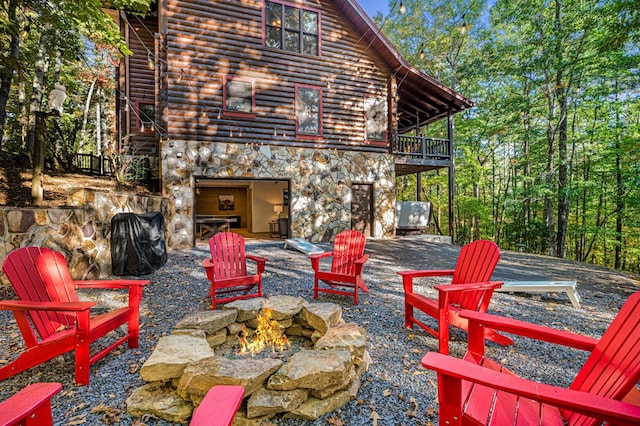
(319, 375)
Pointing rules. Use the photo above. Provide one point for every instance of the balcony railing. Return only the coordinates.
(422, 148)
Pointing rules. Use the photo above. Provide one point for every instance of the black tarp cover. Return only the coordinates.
(137, 243)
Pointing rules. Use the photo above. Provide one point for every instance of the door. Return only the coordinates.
(362, 208)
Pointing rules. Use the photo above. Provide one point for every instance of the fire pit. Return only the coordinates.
(310, 365)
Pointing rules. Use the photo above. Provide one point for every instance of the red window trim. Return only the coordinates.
(320, 122)
(139, 116)
(231, 113)
(297, 6)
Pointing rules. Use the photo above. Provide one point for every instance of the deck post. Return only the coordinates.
(451, 177)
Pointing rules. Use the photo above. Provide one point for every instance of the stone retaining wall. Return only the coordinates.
(82, 231)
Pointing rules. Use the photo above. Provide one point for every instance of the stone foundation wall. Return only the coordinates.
(82, 231)
(321, 179)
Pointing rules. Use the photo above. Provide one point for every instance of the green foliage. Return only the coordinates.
(543, 75)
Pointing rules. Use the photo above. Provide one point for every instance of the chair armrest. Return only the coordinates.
(448, 288)
(260, 262)
(408, 276)
(32, 400)
(258, 259)
(19, 305)
(591, 405)
(315, 259)
(362, 260)
(479, 320)
(110, 283)
(426, 273)
(320, 255)
(219, 406)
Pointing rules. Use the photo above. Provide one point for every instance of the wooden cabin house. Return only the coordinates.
(258, 110)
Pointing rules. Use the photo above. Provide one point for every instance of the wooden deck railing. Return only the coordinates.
(421, 147)
(138, 169)
(93, 164)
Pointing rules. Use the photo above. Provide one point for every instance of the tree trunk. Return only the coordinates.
(6, 72)
(563, 187)
(620, 189)
(85, 115)
(39, 84)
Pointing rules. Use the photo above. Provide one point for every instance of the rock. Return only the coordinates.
(159, 400)
(201, 376)
(172, 354)
(327, 392)
(298, 330)
(247, 308)
(285, 307)
(311, 369)
(349, 336)
(267, 402)
(321, 316)
(217, 338)
(209, 321)
(313, 408)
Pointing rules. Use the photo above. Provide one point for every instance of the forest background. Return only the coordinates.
(548, 159)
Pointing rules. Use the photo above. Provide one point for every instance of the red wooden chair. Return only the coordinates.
(346, 266)
(227, 269)
(219, 406)
(48, 307)
(470, 288)
(29, 407)
(484, 392)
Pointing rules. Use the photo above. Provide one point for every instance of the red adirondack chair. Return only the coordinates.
(29, 407)
(470, 288)
(227, 269)
(348, 259)
(477, 390)
(219, 406)
(49, 307)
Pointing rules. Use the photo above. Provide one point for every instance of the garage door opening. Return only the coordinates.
(253, 208)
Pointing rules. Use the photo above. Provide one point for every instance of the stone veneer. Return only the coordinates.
(320, 190)
(81, 231)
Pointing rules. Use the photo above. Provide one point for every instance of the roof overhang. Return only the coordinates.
(421, 98)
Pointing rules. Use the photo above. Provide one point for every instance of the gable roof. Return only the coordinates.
(419, 94)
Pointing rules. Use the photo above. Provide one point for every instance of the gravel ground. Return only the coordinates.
(396, 390)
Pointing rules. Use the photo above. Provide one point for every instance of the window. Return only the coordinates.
(291, 28)
(146, 116)
(308, 111)
(375, 118)
(238, 97)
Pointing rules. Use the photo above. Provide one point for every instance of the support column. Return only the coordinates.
(452, 229)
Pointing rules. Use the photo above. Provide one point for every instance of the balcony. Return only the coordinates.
(416, 154)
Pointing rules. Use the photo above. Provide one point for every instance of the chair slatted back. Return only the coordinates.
(348, 247)
(476, 263)
(39, 274)
(613, 368)
(228, 255)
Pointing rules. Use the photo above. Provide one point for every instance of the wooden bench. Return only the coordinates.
(568, 287)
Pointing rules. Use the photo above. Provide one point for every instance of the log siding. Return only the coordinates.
(208, 41)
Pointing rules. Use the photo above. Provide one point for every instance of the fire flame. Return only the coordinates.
(269, 333)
